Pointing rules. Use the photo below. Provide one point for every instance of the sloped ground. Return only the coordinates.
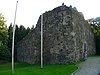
(90, 67)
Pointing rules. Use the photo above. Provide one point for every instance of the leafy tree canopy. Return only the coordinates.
(3, 31)
(3, 38)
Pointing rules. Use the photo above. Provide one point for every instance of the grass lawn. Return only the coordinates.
(26, 69)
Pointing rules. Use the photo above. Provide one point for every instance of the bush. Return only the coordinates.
(4, 53)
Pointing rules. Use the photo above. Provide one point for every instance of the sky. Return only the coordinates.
(29, 11)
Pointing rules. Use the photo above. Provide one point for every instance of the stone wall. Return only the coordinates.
(66, 36)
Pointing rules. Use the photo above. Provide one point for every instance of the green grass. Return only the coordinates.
(26, 69)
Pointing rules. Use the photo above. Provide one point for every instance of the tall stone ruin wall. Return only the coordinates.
(66, 36)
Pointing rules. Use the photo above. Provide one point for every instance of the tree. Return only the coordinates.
(95, 25)
(3, 31)
(4, 52)
(20, 33)
(10, 33)
(27, 30)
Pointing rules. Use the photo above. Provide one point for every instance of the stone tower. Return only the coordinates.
(66, 36)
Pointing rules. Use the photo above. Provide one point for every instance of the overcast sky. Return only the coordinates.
(30, 10)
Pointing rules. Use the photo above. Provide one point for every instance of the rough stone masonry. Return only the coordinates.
(66, 36)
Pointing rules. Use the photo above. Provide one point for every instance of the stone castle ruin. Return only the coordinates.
(66, 37)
